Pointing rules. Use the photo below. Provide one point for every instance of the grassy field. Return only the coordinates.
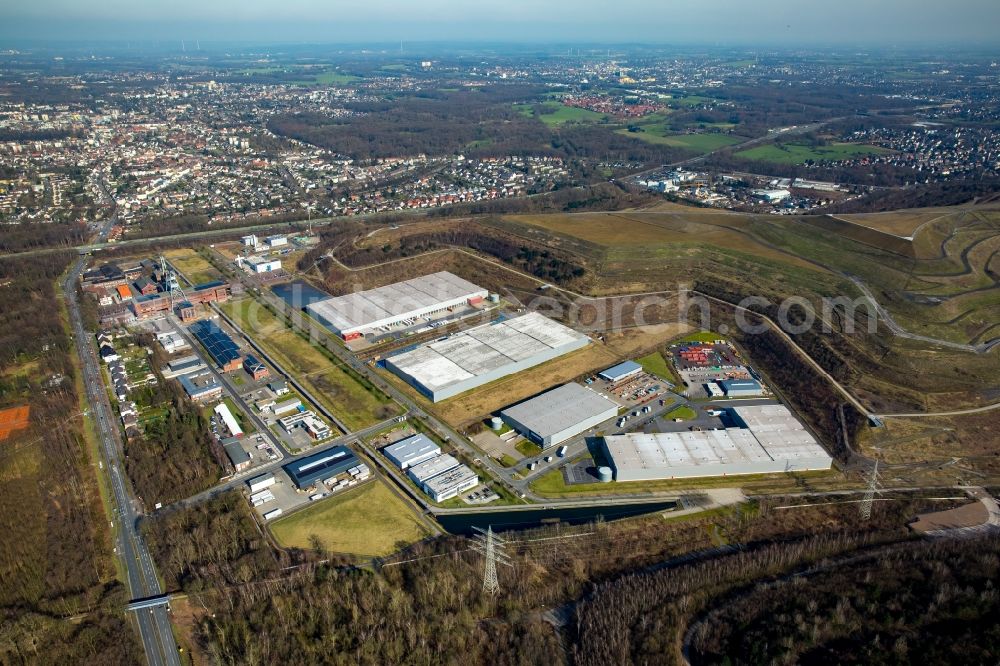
(898, 222)
(559, 114)
(195, 267)
(701, 143)
(700, 336)
(797, 153)
(655, 364)
(637, 241)
(369, 520)
(692, 100)
(330, 78)
(340, 392)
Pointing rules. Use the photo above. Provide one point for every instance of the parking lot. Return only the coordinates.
(288, 498)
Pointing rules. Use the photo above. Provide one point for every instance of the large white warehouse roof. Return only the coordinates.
(395, 302)
(773, 441)
(480, 355)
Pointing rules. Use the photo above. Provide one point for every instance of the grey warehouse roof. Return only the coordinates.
(417, 447)
(426, 471)
(559, 409)
(493, 348)
(393, 302)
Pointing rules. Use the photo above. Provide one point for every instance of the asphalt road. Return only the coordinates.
(153, 623)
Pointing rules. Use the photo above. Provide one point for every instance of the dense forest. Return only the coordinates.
(55, 556)
(29, 236)
(215, 543)
(934, 602)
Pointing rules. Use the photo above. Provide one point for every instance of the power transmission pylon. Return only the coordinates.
(491, 547)
(873, 487)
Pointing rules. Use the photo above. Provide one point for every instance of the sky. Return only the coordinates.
(709, 22)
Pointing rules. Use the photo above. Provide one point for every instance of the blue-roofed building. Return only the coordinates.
(305, 472)
(255, 368)
(741, 388)
(621, 371)
(219, 345)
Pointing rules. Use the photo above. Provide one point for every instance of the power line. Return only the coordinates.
(491, 547)
(873, 487)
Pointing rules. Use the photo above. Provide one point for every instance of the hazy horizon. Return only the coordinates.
(725, 22)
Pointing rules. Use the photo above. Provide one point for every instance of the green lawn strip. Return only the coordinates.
(342, 391)
(684, 413)
(527, 448)
(702, 336)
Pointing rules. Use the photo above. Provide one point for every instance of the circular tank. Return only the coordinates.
(496, 423)
(604, 474)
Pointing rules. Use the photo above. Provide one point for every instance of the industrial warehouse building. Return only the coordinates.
(239, 458)
(201, 386)
(559, 414)
(353, 315)
(426, 471)
(770, 440)
(183, 366)
(412, 451)
(222, 411)
(305, 472)
(259, 264)
(445, 486)
(443, 477)
(621, 372)
(480, 355)
(740, 388)
(219, 345)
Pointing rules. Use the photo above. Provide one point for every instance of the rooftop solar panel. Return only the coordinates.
(219, 345)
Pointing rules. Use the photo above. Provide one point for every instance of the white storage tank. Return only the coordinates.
(604, 474)
(496, 423)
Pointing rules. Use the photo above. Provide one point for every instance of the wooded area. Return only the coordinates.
(291, 608)
(933, 603)
(55, 555)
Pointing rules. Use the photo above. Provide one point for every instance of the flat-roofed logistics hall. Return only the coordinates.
(480, 355)
(557, 415)
(304, 472)
(411, 451)
(770, 440)
(352, 315)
